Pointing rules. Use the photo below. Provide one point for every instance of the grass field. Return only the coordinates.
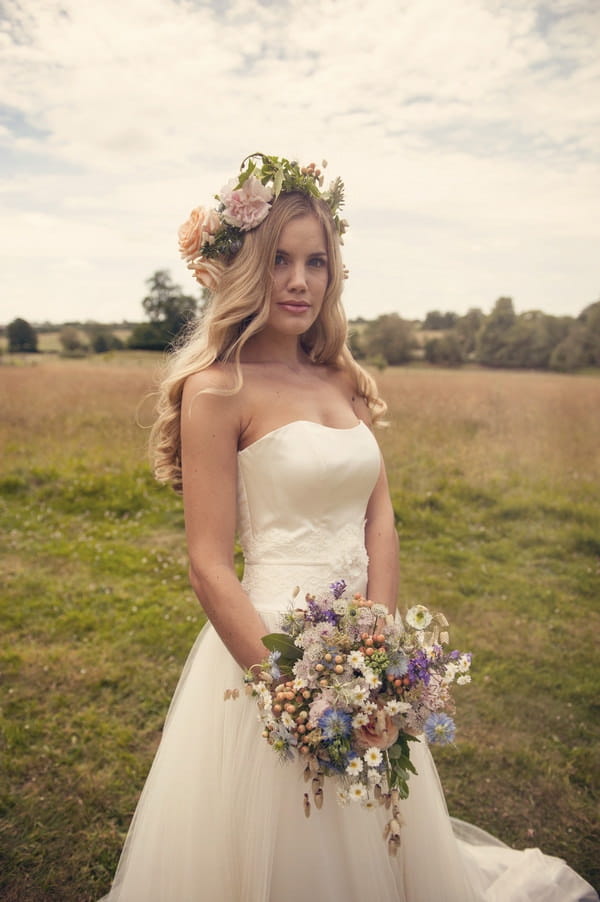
(495, 480)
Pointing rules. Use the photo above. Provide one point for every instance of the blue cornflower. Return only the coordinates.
(273, 668)
(338, 588)
(398, 665)
(439, 728)
(335, 724)
(283, 741)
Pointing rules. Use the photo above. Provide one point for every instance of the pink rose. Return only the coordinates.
(207, 272)
(246, 207)
(380, 732)
(200, 229)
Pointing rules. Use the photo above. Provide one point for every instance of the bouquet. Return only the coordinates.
(347, 687)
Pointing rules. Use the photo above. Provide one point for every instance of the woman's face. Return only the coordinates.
(300, 276)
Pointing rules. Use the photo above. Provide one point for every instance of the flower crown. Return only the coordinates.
(212, 237)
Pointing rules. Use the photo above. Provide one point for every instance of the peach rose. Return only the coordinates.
(207, 272)
(200, 229)
(380, 732)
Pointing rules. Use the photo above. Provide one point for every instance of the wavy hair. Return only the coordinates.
(239, 309)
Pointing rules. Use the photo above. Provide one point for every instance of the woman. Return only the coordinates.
(264, 424)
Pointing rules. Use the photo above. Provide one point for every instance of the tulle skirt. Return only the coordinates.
(220, 819)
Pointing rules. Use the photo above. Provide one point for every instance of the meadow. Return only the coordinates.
(495, 482)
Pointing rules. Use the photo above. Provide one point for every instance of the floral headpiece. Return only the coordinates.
(211, 237)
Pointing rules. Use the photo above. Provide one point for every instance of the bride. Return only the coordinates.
(265, 426)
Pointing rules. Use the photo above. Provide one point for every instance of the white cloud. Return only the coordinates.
(467, 135)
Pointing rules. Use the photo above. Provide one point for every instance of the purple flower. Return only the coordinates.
(338, 588)
(317, 614)
(418, 668)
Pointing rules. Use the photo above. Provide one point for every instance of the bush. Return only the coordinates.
(445, 351)
(22, 337)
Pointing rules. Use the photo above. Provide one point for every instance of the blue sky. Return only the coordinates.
(467, 133)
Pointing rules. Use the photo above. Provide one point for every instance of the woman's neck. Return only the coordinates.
(285, 350)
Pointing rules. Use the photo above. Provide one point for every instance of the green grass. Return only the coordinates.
(494, 479)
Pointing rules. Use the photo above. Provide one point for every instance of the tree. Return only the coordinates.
(72, 343)
(491, 341)
(22, 337)
(390, 337)
(444, 351)
(439, 322)
(168, 310)
(581, 345)
(467, 329)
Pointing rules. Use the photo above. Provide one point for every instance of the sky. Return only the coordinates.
(467, 134)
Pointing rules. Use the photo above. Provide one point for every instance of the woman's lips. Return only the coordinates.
(294, 306)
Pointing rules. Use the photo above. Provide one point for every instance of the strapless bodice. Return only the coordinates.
(303, 491)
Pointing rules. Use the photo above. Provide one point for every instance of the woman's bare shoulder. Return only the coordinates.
(219, 376)
(346, 380)
(213, 395)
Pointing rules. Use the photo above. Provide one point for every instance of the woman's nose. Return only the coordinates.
(297, 276)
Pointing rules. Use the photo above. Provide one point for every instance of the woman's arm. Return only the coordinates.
(381, 540)
(210, 427)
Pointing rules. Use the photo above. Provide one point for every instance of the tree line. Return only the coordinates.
(502, 338)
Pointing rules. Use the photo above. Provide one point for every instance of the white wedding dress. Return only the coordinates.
(220, 819)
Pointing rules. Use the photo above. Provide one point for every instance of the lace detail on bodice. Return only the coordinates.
(316, 563)
(303, 492)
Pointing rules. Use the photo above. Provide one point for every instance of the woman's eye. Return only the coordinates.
(319, 262)
(279, 259)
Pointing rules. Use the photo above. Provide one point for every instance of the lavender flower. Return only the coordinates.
(338, 588)
(418, 668)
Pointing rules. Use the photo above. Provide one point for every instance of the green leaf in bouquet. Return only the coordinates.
(284, 644)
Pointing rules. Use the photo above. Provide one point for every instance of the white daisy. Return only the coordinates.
(360, 719)
(299, 683)
(370, 707)
(394, 707)
(373, 756)
(342, 796)
(464, 679)
(369, 803)
(359, 694)
(356, 659)
(354, 767)
(357, 792)
(418, 617)
(287, 720)
(371, 678)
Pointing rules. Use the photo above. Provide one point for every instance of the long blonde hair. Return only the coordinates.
(239, 309)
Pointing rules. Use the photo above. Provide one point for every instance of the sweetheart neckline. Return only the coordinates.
(285, 426)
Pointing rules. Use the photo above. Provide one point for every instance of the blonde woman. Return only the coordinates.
(265, 426)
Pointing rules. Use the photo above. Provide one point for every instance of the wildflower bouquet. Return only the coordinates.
(347, 687)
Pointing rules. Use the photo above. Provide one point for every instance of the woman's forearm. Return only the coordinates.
(229, 610)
